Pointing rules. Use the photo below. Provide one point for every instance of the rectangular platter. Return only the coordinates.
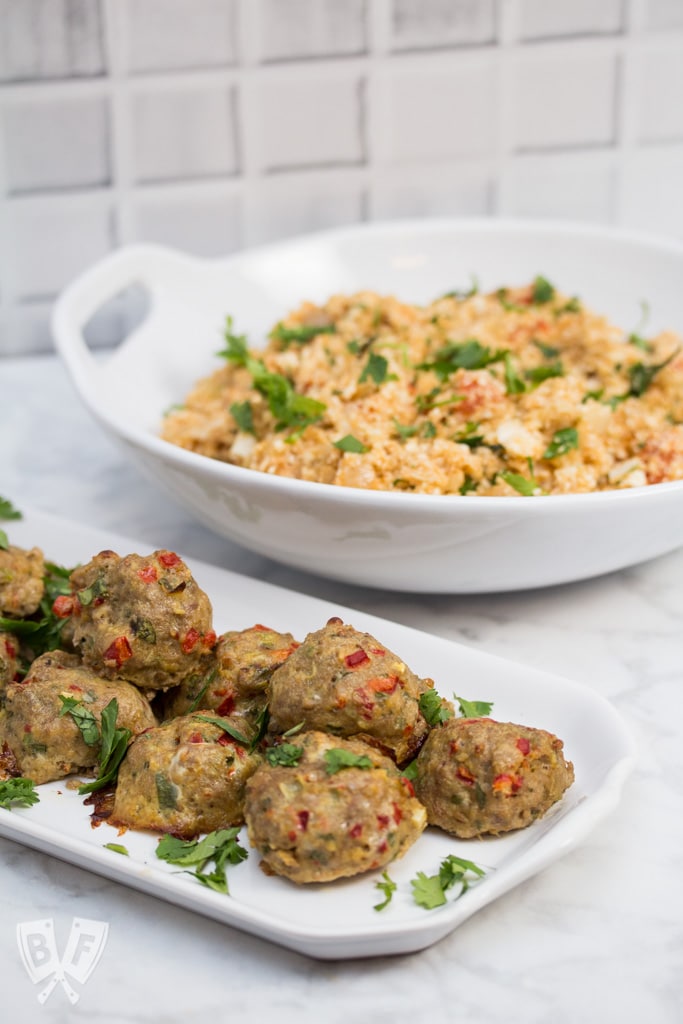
(337, 920)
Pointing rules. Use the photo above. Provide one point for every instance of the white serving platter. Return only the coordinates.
(337, 920)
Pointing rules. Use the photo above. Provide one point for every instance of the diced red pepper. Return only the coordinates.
(191, 639)
(367, 704)
(384, 684)
(148, 574)
(523, 745)
(75, 689)
(398, 814)
(507, 784)
(262, 629)
(63, 606)
(303, 817)
(196, 737)
(226, 707)
(383, 820)
(168, 559)
(408, 785)
(209, 639)
(356, 830)
(465, 775)
(378, 651)
(11, 649)
(118, 651)
(383, 847)
(356, 659)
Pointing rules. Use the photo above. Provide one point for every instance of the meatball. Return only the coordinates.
(21, 581)
(142, 619)
(46, 742)
(345, 682)
(478, 777)
(187, 776)
(316, 820)
(237, 683)
(9, 661)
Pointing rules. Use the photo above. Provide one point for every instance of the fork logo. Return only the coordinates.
(38, 949)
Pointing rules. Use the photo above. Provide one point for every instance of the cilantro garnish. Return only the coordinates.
(338, 758)
(4, 541)
(21, 792)
(222, 847)
(547, 351)
(231, 731)
(468, 484)
(641, 375)
(521, 484)
(288, 408)
(464, 293)
(286, 755)
(376, 368)
(113, 750)
(473, 708)
(301, 334)
(432, 709)
(429, 891)
(542, 290)
(540, 373)
(466, 355)
(44, 633)
(469, 436)
(205, 684)
(8, 511)
(117, 848)
(387, 888)
(243, 416)
(349, 443)
(563, 441)
(572, 305)
(84, 719)
(514, 385)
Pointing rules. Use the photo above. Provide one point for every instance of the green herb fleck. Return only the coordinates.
(222, 847)
(167, 792)
(469, 484)
(387, 888)
(520, 483)
(8, 511)
(432, 708)
(473, 708)
(540, 373)
(117, 848)
(243, 415)
(84, 719)
(231, 731)
(349, 443)
(514, 385)
(21, 792)
(113, 750)
(299, 335)
(641, 375)
(286, 755)
(467, 355)
(542, 291)
(563, 441)
(376, 368)
(338, 758)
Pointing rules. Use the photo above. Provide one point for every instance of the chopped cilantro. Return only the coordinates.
(547, 351)
(117, 848)
(572, 305)
(387, 888)
(429, 891)
(469, 436)
(286, 755)
(514, 385)
(300, 335)
(540, 373)
(338, 757)
(473, 708)
(205, 683)
(349, 443)
(376, 368)
(432, 708)
(563, 441)
(466, 355)
(227, 728)
(520, 483)
(113, 750)
(84, 719)
(18, 791)
(8, 511)
(641, 375)
(468, 484)
(222, 847)
(243, 416)
(464, 293)
(4, 540)
(542, 290)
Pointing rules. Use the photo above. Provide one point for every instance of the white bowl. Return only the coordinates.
(411, 542)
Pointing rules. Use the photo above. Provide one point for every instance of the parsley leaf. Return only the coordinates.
(4, 541)
(468, 484)
(547, 351)
(349, 443)
(301, 334)
(286, 755)
(563, 441)
(473, 708)
(222, 847)
(338, 758)
(18, 791)
(387, 888)
(84, 719)
(432, 709)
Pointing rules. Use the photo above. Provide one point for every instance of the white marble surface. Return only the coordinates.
(598, 937)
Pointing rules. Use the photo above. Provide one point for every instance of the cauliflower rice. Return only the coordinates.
(520, 391)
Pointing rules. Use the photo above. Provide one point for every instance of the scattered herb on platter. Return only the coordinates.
(387, 888)
(429, 891)
(473, 708)
(117, 848)
(337, 758)
(21, 792)
(222, 847)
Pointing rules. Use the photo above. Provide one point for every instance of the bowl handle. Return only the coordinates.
(148, 265)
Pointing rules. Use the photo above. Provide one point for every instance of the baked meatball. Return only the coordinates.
(46, 742)
(345, 682)
(238, 680)
(9, 661)
(314, 822)
(21, 581)
(479, 777)
(187, 776)
(142, 619)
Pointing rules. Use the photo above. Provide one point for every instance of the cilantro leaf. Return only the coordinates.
(547, 351)
(349, 443)
(473, 708)
(468, 484)
(205, 684)
(464, 293)
(243, 416)
(376, 368)
(514, 385)
(387, 888)
(520, 483)
(641, 375)
(222, 847)
(117, 848)
(563, 441)
(286, 755)
(301, 334)
(542, 290)
(8, 511)
(4, 541)
(427, 891)
(432, 709)
(466, 355)
(540, 373)
(114, 746)
(231, 731)
(338, 758)
(18, 791)
(84, 719)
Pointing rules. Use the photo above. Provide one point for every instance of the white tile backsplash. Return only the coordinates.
(209, 125)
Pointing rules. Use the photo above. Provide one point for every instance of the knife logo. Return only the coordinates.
(38, 950)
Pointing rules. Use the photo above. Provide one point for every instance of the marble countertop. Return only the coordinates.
(597, 937)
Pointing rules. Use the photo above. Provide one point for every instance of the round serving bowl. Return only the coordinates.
(401, 541)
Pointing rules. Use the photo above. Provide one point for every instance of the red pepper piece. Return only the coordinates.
(148, 574)
(209, 639)
(383, 820)
(63, 606)
(226, 707)
(196, 737)
(507, 784)
(356, 830)
(408, 785)
(465, 775)
(398, 814)
(118, 651)
(523, 745)
(192, 638)
(367, 704)
(383, 684)
(303, 817)
(356, 659)
(168, 559)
